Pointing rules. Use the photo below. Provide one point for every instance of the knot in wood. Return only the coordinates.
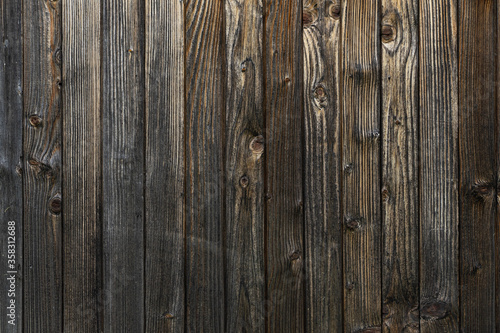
(334, 11)
(295, 255)
(257, 145)
(55, 205)
(388, 33)
(244, 181)
(35, 120)
(434, 310)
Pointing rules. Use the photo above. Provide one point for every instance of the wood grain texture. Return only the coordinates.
(439, 291)
(361, 165)
(204, 66)
(478, 165)
(42, 166)
(123, 164)
(165, 172)
(244, 231)
(84, 300)
(283, 105)
(11, 150)
(323, 227)
(400, 282)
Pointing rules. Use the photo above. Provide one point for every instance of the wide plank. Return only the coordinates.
(322, 175)
(244, 198)
(361, 127)
(165, 176)
(204, 38)
(123, 164)
(42, 166)
(84, 300)
(439, 249)
(400, 281)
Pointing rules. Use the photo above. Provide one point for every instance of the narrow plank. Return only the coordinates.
(400, 282)
(11, 150)
(283, 105)
(497, 140)
(361, 165)
(84, 300)
(123, 164)
(245, 278)
(321, 36)
(42, 166)
(478, 165)
(204, 44)
(164, 227)
(439, 290)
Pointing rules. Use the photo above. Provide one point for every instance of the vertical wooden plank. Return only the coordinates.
(321, 36)
(204, 164)
(478, 165)
(400, 282)
(164, 193)
(361, 165)
(439, 290)
(42, 166)
(11, 147)
(245, 278)
(123, 164)
(83, 298)
(283, 104)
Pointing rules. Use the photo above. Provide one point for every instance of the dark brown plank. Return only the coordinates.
(84, 301)
(361, 165)
(439, 290)
(245, 277)
(478, 164)
(42, 166)
(400, 280)
(11, 147)
(164, 193)
(204, 165)
(323, 228)
(123, 164)
(284, 207)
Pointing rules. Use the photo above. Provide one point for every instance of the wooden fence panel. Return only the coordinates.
(400, 281)
(42, 166)
(84, 299)
(439, 290)
(11, 151)
(244, 229)
(165, 175)
(322, 143)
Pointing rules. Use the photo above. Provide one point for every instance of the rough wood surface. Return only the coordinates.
(84, 301)
(123, 164)
(11, 141)
(478, 165)
(439, 250)
(42, 166)
(204, 38)
(283, 155)
(323, 227)
(399, 37)
(164, 193)
(244, 230)
(361, 165)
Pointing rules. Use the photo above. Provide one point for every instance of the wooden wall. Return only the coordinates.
(250, 165)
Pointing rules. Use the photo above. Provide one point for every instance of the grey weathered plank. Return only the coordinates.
(245, 277)
(123, 164)
(323, 228)
(165, 176)
(42, 167)
(204, 165)
(361, 165)
(84, 301)
(439, 290)
(400, 279)
(478, 164)
(283, 105)
(11, 139)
